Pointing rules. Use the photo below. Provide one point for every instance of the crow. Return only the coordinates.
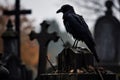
(77, 27)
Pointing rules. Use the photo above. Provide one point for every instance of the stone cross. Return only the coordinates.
(43, 39)
(17, 12)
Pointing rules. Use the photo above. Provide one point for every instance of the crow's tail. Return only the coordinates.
(91, 46)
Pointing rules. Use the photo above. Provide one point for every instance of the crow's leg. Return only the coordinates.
(74, 43)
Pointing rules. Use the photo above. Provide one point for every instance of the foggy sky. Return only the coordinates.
(46, 9)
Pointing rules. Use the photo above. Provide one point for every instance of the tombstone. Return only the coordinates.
(73, 59)
(9, 41)
(43, 39)
(10, 50)
(17, 12)
(10, 58)
(107, 36)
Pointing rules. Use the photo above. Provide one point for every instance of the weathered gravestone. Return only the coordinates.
(74, 59)
(9, 40)
(107, 36)
(10, 56)
(17, 70)
(17, 12)
(43, 39)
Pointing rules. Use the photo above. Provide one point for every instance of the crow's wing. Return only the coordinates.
(82, 21)
(68, 27)
(76, 26)
(89, 35)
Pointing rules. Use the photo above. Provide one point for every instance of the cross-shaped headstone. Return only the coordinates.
(17, 12)
(43, 39)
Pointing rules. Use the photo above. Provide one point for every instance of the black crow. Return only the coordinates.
(77, 27)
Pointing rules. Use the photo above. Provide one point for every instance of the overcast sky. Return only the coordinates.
(41, 9)
(46, 9)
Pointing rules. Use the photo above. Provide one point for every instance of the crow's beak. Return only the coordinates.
(59, 11)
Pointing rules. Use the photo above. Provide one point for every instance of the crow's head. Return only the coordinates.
(65, 8)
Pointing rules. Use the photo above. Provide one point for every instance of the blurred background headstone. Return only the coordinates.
(107, 36)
